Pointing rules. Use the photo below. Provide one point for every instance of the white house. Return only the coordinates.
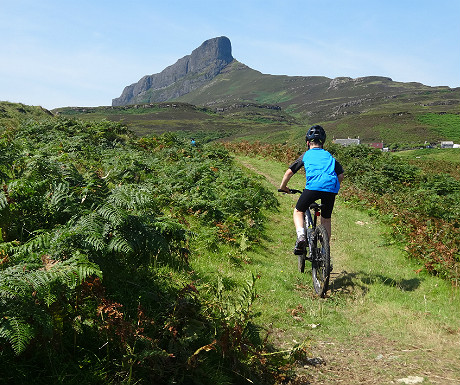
(447, 144)
(347, 142)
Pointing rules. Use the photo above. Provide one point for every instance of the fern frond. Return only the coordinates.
(12, 283)
(132, 197)
(17, 282)
(120, 245)
(24, 291)
(91, 223)
(112, 214)
(3, 200)
(38, 243)
(17, 332)
(9, 247)
(75, 270)
(95, 242)
(60, 194)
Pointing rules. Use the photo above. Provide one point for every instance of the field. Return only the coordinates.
(188, 120)
(411, 127)
(429, 154)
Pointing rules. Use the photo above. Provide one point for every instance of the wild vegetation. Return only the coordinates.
(115, 251)
(97, 231)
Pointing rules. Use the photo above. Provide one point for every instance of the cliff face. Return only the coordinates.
(187, 74)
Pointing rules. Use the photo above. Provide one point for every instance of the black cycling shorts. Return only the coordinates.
(310, 196)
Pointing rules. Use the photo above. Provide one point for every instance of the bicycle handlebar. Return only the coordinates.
(291, 191)
(314, 206)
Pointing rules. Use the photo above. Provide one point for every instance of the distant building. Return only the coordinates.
(447, 144)
(378, 145)
(347, 142)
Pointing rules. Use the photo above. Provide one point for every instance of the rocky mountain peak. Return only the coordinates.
(187, 74)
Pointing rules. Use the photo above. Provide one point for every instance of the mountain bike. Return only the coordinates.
(318, 252)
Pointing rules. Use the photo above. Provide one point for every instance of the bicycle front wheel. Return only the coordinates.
(301, 262)
(321, 260)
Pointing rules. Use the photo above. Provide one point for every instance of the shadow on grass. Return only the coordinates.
(360, 281)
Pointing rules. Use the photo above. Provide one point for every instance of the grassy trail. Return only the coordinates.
(381, 323)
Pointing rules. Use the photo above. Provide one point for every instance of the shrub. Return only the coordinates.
(94, 248)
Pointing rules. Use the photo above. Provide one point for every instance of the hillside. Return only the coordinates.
(320, 98)
(397, 125)
(184, 119)
(12, 113)
(374, 108)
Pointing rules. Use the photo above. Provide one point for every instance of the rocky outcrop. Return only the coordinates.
(187, 74)
(342, 82)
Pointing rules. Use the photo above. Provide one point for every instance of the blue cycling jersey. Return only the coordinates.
(320, 171)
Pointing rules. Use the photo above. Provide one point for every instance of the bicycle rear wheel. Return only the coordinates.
(321, 261)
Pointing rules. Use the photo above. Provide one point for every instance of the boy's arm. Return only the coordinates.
(340, 177)
(293, 168)
(287, 176)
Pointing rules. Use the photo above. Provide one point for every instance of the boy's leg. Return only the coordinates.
(326, 222)
(298, 218)
(306, 198)
(328, 200)
(301, 241)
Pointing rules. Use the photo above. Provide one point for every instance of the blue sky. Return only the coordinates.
(57, 53)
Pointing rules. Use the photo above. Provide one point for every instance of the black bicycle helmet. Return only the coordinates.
(316, 134)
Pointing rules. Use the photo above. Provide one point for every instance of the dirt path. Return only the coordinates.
(381, 323)
(267, 176)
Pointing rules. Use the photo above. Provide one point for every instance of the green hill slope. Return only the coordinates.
(243, 103)
(12, 113)
(394, 123)
(189, 120)
(319, 98)
(373, 108)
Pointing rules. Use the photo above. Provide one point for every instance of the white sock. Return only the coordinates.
(300, 231)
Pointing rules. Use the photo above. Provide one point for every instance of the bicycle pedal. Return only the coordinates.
(298, 251)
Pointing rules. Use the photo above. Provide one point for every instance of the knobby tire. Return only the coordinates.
(301, 262)
(321, 261)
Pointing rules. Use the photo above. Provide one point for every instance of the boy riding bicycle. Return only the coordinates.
(323, 174)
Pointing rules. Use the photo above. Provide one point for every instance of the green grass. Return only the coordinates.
(447, 125)
(444, 154)
(378, 270)
(378, 302)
